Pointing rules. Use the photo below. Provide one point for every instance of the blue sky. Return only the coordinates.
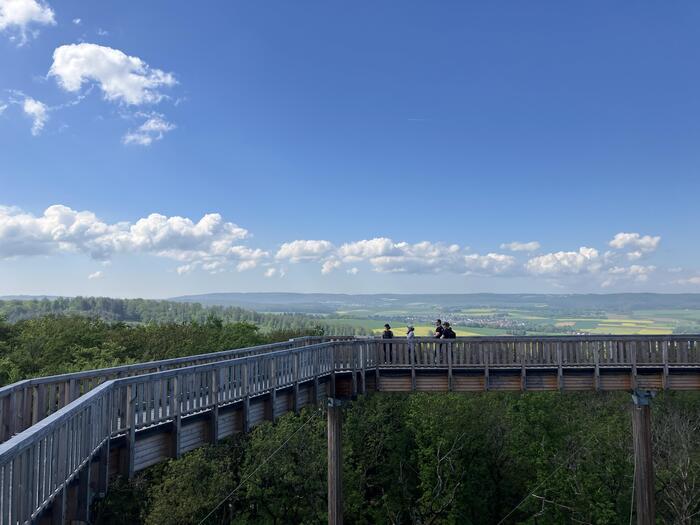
(349, 147)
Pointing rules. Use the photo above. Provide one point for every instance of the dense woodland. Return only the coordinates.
(134, 311)
(58, 344)
(433, 459)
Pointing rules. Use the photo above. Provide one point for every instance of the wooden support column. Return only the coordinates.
(84, 497)
(644, 465)
(335, 463)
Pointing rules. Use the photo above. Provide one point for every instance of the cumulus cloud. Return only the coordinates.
(122, 78)
(330, 265)
(304, 250)
(95, 275)
(153, 129)
(635, 272)
(557, 263)
(353, 271)
(387, 256)
(3, 107)
(77, 21)
(21, 15)
(211, 243)
(634, 241)
(517, 246)
(38, 112)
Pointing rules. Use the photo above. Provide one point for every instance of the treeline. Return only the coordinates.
(59, 344)
(151, 311)
(536, 458)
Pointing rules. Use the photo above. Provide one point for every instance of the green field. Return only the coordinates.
(495, 321)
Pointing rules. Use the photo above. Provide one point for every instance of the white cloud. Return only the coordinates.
(330, 265)
(95, 275)
(19, 15)
(210, 243)
(635, 272)
(584, 260)
(386, 256)
(636, 242)
(77, 21)
(153, 129)
(122, 78)
(271, 272)
(353, 271)
(689, 280)
(38, 112)
(304, 250)
(490, 264)
(516, 246)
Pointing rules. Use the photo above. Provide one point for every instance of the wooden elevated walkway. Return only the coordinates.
(66, 436)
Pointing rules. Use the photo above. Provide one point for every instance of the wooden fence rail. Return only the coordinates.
(63, 459)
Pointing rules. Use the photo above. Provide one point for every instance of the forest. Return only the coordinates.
(135, 311)
(537, 458)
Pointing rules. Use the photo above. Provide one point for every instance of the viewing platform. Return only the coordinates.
(63, 438)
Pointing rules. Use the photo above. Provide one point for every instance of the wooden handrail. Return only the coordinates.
(28, 401)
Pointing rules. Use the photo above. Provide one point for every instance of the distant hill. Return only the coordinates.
(329, 303)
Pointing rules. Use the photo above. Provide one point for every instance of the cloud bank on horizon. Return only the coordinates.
(214, 245)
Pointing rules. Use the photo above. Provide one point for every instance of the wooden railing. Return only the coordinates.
(27, 402)
(38, 464)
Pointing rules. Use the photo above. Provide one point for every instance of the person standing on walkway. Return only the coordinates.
(438, 329)
(447, 332)
(387, 334)
(410, 342)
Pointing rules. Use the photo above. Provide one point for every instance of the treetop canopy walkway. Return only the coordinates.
(62, 438)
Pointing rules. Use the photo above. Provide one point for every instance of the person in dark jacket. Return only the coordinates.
(447, 332)
(438, 329)
(387, 334)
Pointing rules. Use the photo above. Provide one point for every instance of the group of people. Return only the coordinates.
(442, 331)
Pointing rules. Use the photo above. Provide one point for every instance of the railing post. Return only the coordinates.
(214, 394)
(273, 388)
(449, 365)
(246, 397)
(377, 362)
(131, 391)
(596, 359)
(664, 355)
(412, 357)
(333, 379)
(176, 410)
(523, 377)
(486, 358)
(560, 367)
(354, 347)
(632, 345)
(363, 367)
(315, 357)
(295, 372)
